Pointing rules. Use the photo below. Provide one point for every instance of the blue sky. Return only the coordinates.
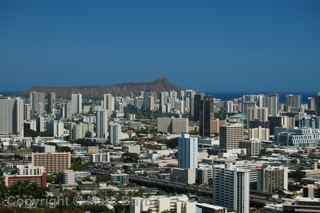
(214, 46)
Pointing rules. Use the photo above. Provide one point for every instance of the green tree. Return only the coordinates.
(3, 190)
(78, 165)
(26, 188)
(130, 157)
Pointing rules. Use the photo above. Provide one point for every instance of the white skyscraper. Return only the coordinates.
(108, 103)
(115, 131)
(102, 123)
(188, 151)
(163, 101)
(37, 101)
(11, 116)
(76, 104)
(231, 188)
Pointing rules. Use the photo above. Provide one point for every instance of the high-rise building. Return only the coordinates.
(229, 106)
(53, 162)
(66, 111)
(271, 179)
(51, 102)
(316, 103)
(188, 152)
(149, 102)
(76, 104)
(37, 100)
(273, 104)
(108, 103)
(252, 146)
(11, 116)
(259, 133)
(257, 114)
(56, 128)
(163, 101)
(197, 105)
(102, 123)
(115, 132)
(206, 117)
(27, 112)
(231, 188)
(293, 103)
(230, 136)
(180, 175)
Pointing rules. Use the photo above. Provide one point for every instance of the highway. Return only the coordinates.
(204, 191)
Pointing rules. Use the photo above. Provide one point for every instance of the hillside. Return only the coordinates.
(122, 89)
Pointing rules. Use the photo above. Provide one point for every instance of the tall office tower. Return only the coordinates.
(260, 99)
(151, 103)
(41, 123)
(147, 101)
(271, 179)
(190, 99)
(231, 136)
(197, 105)
(115, 132)
(76, 104)
(108, 103)
(188, 152)
(317, 103)
(66, 110)
(257, 114)
(231, 188)
(51, 102)
(187, 105)
(229, 106)
(293, 102)
(11, 116)
(27, 112)
(163, 101)
(37, 100)
(312, 103)
(102, 123)
(56, 128)
(272, 104)
(246, 105)
(206, 117)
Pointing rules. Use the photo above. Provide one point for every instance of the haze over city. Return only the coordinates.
(213, 46)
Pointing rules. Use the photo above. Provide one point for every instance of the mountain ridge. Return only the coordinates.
(119, 89)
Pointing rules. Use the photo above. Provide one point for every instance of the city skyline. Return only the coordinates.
(247, 46)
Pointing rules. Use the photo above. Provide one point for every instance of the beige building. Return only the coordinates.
(271, 179)
(259, 133)
(252, 146)
(231, 135)
(180, 125)
(53, 162)
(257, 113)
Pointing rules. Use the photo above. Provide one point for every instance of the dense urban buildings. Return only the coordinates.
(231, 188)
(172, 150)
